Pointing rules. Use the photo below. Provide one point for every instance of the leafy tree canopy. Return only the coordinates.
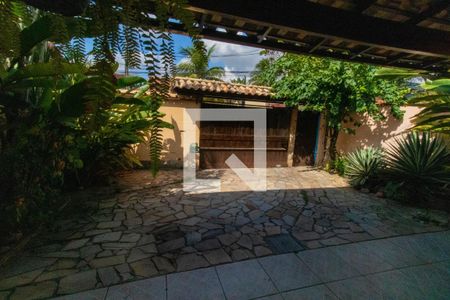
(197, 65)
(336, 88)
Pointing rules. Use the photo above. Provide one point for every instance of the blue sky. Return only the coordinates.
(235, 59)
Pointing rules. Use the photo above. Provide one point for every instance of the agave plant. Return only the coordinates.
(436, 102)
(420, 163)
(363, 165)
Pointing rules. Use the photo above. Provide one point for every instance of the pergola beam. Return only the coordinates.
(435, 7)
(329, 22)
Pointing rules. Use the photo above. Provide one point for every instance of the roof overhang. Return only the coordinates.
(358, 30)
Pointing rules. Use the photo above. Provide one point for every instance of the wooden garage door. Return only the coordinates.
(218, 140)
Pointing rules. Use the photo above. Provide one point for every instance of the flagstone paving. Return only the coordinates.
(150, 227)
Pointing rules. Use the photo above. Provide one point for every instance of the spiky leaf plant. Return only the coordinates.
(363, 165)
(421, 163)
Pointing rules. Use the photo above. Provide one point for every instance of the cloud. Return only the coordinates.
(237, 60)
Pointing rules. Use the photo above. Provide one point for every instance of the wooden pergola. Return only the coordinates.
(398, 33)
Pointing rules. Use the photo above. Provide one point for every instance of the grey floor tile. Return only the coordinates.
(318, 292)
(288, 272)
(393, 254)
(245, 280)
(362, 258)
(355, 289)
(433, 281)
(395, 285)
(198, 284)
(272, 297)
(426, 247)
(327, 265)
(98, 294)
(148, 289)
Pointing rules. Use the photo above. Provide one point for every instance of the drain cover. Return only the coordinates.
(282, 243)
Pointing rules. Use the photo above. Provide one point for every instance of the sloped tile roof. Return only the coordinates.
(213, 86)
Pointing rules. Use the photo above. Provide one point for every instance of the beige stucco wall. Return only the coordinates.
(172, 154)
(376, 133)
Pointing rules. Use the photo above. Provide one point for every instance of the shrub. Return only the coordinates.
(420, 163)
(340, 165)
(363, 165)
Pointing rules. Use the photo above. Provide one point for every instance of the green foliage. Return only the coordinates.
(335, 88)
(240, 80)
(435, 100)
(197, 64)
(420, 163)
(63, 121)
(363, 166)
(340, 165)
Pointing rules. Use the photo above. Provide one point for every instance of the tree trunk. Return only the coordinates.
(333, 141)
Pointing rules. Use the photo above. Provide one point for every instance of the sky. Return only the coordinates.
(237, 60)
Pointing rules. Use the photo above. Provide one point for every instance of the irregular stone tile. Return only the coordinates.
(245, 242)
(355, 237)
(96, 232)
(144, 268)
(132, 222)
(146, 239)
(282, 243)
(21, 279)
(37, 291)
(62, 254)
(333, 241)
(137, 254)
(55, 274)
(240, 254)
(193, 237)
(218, 256)
(105, 253)
(192, 221)
(78, 282)
(130, 238)
(171, 245)
(163, 264)
(107, 237)
(272, 230)
(63, 263)
(227, 239)
(208, 245)
(98, 294)
(75, 244)
(150, 248)
(305, 236)
(123, 268)
(262, 251)
(192, 261)
(107, 261)
(118, 245)
(108, 276)
(109, 225)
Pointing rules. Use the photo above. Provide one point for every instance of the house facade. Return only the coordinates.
(294, 137)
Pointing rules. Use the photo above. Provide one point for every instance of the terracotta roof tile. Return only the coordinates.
(212, 86)
(180, 84)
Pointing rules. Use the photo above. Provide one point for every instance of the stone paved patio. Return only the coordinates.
(406, 267)
(151, 227)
